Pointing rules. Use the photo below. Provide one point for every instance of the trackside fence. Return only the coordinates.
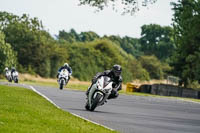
(169, 90)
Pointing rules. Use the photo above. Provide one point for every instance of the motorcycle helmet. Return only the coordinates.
(13, 68)
(66, 65)
(6, 69)
(117, 69)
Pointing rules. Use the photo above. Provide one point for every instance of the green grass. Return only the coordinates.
(24, 111)
(70, 85)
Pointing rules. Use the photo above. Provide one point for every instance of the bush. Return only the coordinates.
(194, 85)
(153, 66)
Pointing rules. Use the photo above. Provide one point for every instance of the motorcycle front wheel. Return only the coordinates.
(95, 101)
(87, 107)
(16, 80)
(61, 84)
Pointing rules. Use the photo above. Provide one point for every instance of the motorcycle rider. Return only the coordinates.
(12, 70)
(65, 66)
(6, 70)
(115, 75)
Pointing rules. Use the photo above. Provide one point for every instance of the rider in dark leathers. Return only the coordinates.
(12, 70)
(115, 75)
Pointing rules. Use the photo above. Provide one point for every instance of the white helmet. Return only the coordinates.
(6, 69)
(66, 64)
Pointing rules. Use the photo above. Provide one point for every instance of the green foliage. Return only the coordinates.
(128, 6)
(87, 53)
(37, 50)
(187, 38)
(87, 59)
(7, 55)
(72, 36)
(153, 66)
(88, 36)
(194, 85)
(136, 70)
(157, 40)
(128, 44)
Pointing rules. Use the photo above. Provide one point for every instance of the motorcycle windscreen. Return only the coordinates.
(107, 80)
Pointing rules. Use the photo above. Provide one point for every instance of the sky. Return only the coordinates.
(57, 15)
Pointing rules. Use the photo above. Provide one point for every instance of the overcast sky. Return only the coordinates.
(59, 15)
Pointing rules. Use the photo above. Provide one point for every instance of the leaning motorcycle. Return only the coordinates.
(15, 76)
(99, 93)
(63, 78)
(8, 76)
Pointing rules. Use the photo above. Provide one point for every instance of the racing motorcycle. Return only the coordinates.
(63, 78)
(99, 93)
(8, 76)
(15, 76)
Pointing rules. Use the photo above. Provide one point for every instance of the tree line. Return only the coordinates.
(161, 50)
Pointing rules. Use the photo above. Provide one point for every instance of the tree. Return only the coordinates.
(130, 45)
(7, 55)
(186, 24)
(70, 36)
(136, 70)
(128, 6)
(37, 51)
(88, 36)
(157, 40)
(155, 68)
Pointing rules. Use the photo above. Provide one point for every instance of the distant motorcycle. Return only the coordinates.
(15, 76)
(63, 78)
(99, 93)
(8, 76)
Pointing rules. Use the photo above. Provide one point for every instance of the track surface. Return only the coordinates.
(132, 114)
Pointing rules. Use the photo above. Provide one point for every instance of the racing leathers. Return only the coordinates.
(69, 69)
(117, 82)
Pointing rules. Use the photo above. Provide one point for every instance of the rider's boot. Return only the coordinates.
(87, 92)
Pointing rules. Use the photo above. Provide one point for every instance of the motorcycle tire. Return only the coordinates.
(87, 107)
(16, 80)
(61, 85)
(10, 80)
(95, 101)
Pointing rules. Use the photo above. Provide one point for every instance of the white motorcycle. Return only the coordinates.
(99, 92)
(63, 78)
(15, 76)
(8, 76)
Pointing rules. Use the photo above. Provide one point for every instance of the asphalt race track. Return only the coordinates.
(132, 114)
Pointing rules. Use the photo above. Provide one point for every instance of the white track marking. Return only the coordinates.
(69, 112)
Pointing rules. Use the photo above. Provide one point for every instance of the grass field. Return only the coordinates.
(24, 111)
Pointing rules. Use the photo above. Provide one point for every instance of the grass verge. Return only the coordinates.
(24, 111)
